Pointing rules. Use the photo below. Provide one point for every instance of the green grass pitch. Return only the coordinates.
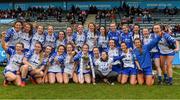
(89, 91)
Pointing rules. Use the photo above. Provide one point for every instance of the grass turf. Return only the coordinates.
(89, 91)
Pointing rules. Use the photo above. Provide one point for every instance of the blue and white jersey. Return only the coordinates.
(37, 38)
(148, 39)
(69, 39)
(112, 53)
(134, 36)
(104, 66)
(115, 36)
(79, 39)
(164, 43)
(12, 37)
(102, 41)
(69, 64)
(50, 40)
(35, 59)
(15, 60)
(63, 42)
(26, 40)
(91, 40)
(84, 62)
(56, 62)
(144, 57)
(128, 59)
(127, 38)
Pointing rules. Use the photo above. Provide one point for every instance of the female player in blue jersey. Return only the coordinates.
(69, 34)
(55, 66)
(91, 36)
(167, 46)
(26, 36)
(85, 65)
(12, 34)
(79, 38)
(114, 34)
(61, 39)
(50, 37)
(11, 72)
(38, 36)
(155, 55)
(126, 36)
(33, 65)
(102, 41)
(142, 53)
(129, 63)
(69, 68)
(114, 51)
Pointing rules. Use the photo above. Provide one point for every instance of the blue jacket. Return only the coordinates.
(144, 58)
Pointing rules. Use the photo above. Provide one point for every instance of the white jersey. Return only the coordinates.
(147, 40)
(104, 66)
(128, 59)
(37, 38)
(68, 65)
(163, 47)
(12, 37)
(91, 40)
(15, 62)
(112, 53)
(50, 40)
(102, 41)
(80, 39)
(69, 39)
(25, 39)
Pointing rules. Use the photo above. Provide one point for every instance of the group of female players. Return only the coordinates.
(87, 56)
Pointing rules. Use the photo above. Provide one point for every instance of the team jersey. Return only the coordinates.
(35, 59)
(79, 39)
(26, 40)
(104, 66)
(12, 37)
(134, 36)
(50, 40)
(144, 57)
(84, 62)
(127, 38)
(15, 60)
(115, 36)
(112, 53)
(69, 38)
(148, 39)
(91, 40)
(165, 42)
(37, 38)
(69, 64)
(56, 62)
(102, 41)
(128, 59)
(63, 42)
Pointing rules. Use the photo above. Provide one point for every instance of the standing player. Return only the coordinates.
(147, 38)
(168, 46)
(26, 36)
(79, 38)
(61, 39)
(102, 42)
(12, 34)
(38, 36)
